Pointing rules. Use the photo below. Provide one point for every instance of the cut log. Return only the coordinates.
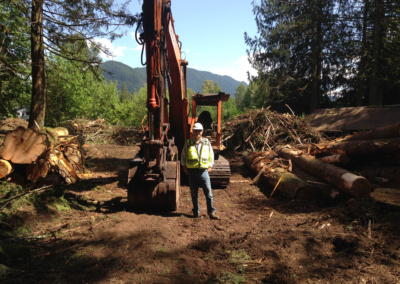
(361, 148)
(271, 168)
(353, 184)
(5, 168)
(335, 159)
(63, 167)
(37, 170)
(389, 131)
(23, 146)
(329, 194)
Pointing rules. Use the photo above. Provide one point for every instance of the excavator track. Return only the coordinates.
(221, 172)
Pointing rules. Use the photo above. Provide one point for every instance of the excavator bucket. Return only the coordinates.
(146, 192)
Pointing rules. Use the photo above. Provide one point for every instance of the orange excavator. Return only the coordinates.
(154, 173)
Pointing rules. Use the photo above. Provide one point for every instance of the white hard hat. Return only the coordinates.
(198, 126)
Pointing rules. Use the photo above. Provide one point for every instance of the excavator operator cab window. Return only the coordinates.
(208, 125)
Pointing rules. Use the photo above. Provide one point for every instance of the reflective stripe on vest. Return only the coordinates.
(194, 160)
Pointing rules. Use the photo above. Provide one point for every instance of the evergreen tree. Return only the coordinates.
(56, 23)
(239, 94)
(14, 59)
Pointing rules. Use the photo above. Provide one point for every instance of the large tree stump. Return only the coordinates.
(355, 185)
(23, 146)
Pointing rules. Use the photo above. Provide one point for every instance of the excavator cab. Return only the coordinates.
(221, 173)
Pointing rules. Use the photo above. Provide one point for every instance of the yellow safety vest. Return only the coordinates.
(194, 160)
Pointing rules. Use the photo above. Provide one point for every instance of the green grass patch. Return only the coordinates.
(240, 257)
(227, 277)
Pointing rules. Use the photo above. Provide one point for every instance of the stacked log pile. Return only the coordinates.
(33, 156)
(306, 166)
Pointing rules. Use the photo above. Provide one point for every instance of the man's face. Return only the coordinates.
(197, 134)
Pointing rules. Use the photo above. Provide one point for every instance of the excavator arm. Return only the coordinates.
(154, 174)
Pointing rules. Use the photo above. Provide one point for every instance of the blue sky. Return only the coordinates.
(211, 32)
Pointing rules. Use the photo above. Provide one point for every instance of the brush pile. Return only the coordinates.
(261, 130)
(100, 131)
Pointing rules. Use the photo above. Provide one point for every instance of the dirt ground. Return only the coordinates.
(257, 240)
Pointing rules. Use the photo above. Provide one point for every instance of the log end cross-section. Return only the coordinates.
(23, 146)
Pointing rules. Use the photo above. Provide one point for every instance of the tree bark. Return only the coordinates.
(362, 148)
(335, 159)
(389, 131)
(316, 57)
(375, 97)
(362, 74)
(355, 185)
(38, 102)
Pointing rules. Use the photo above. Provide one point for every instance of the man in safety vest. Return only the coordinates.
(197, 160)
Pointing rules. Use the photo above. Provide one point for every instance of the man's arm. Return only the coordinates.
(212, 157)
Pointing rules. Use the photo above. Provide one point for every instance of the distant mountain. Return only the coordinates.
(135, 78)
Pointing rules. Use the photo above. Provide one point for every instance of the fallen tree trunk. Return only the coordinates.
(389, 131)
(5, 168)
(355, 185)
(271, 168)
(335, 159)
(361, 148)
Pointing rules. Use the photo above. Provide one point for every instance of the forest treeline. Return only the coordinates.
(326, 53)
(309, 54)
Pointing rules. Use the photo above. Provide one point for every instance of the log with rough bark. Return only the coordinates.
(335, 159)
(389, 131)
(275, 172)
(361, 148)
(5, 168)
(353, 184)
(23, 146)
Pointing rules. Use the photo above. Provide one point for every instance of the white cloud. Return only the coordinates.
(116, 51)
(238, 70)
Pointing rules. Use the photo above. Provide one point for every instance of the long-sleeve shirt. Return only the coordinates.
(198, 148)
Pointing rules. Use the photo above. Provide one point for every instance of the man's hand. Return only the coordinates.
(209, 170)
(185, 170)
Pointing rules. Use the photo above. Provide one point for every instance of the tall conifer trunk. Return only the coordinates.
(375, 97)
(38, 103)
(316, 60)
(362, 74)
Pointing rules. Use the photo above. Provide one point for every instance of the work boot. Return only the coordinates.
(195, 214)
(213, 216)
